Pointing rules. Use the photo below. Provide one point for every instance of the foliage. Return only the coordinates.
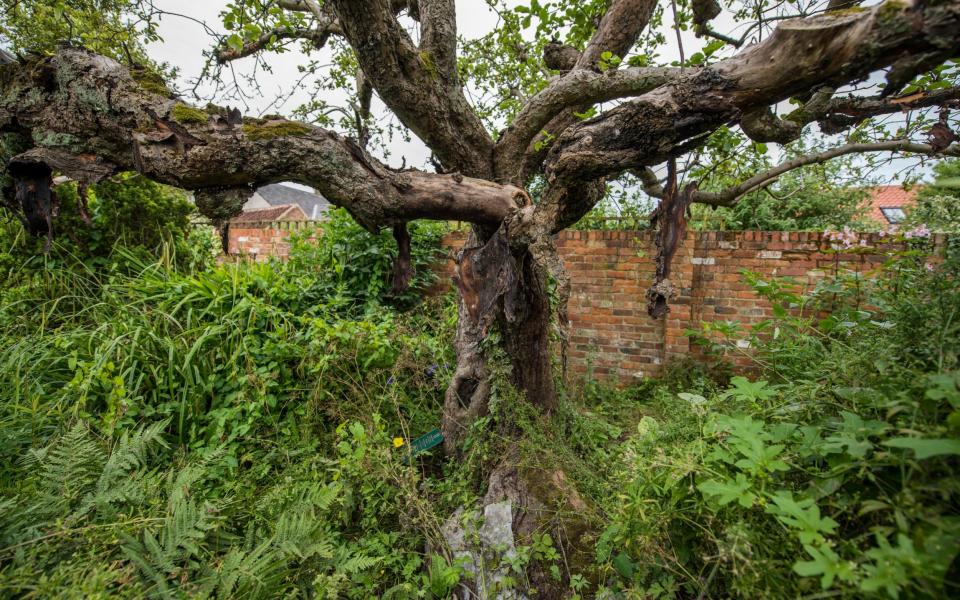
(350, 269)
(938, 203)
(120, 29)
(130, 212)
(834, 471)
(227, 431)
(831, 195)
(214, 432)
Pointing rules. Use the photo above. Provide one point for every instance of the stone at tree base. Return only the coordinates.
(478, 547)
(547, 502)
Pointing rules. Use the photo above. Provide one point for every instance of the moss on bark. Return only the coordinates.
(182, 113)
(274, 129)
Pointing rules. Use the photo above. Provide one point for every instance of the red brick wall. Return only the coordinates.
(610, 271)
(610, 331)
(259, 241)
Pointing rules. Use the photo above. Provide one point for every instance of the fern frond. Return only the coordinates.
(121, 479)
(71, 467)
(180, 484)
(358, 563)
(185, 529)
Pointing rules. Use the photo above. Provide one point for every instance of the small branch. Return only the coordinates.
(317, 35)
(707, 31)
(676, 28)
(730, 196)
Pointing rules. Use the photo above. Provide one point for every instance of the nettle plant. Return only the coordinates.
(526, 123)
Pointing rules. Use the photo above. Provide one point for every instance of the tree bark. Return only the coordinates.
(500, 287)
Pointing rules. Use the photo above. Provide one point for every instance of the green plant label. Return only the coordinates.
(425, 442)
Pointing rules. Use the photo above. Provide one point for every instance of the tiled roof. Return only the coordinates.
(312, 204)
(889, 196)
(287, 212)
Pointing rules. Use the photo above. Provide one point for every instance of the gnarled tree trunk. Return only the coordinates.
(504, 288)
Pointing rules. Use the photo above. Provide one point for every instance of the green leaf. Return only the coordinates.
(925, 448)
(804, 515)
(729, 490)
(694, 399)
(235, 42)
(624, 565)
(825, 563)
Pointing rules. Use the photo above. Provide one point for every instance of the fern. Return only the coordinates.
(71, 467)
(181, 538)
(358, 563)
(180, 482)
(122, 477)
(248, 574)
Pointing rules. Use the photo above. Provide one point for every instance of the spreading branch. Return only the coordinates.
(424, 94)
(521, 151)
(116, 125)
(803, 54)
(730, 196)
(837, 114)
(578, 88)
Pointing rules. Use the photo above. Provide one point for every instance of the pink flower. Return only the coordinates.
(930, 267)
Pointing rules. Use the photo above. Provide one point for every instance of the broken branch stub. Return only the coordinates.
(34, 196)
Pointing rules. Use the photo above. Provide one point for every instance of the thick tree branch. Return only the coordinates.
(762, 125)
(438, 34)
(116, 125)
(730, 196)
(581, 87)
(427, 99)
(837, 114)
(803, 54)
(842, 113)
(523, 150)
(619, 29)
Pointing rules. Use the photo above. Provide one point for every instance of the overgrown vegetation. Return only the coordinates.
(175, 427)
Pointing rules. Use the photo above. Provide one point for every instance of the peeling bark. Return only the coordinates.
(670, 221)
